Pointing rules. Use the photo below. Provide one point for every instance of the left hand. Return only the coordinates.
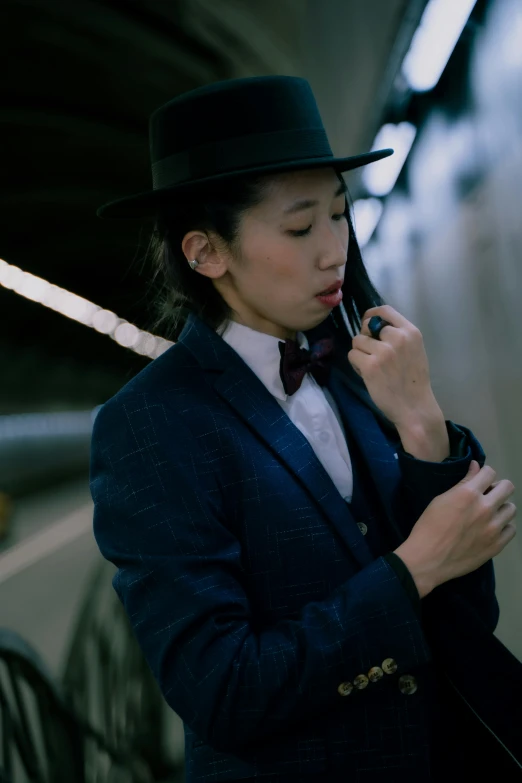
(394, 368)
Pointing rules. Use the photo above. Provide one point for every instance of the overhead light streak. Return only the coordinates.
(380, 177)
(367, 213)
(79, 309)
(433, 42)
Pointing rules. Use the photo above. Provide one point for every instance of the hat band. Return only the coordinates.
(243, 152)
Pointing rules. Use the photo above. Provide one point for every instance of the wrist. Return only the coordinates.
(425, 436)
(423, 576)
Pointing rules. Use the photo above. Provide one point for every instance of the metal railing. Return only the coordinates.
(106, 722)
(43, 738)
(107, 679)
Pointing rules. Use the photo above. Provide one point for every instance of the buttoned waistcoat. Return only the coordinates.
(254, 594)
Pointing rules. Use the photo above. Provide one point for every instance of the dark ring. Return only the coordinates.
(376, 324)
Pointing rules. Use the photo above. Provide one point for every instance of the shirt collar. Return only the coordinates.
(261, 352)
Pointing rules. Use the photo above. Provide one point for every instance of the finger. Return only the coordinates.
(505, 516)
(483, 479)
(354, 365)
(385, 334)
(491, 487)
(388, 313)
(367, 345)
(365, 329)
(356, 369)
(507, 534)
(500, 492)
(358, 360)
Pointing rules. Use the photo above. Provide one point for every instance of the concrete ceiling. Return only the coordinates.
(79, 82)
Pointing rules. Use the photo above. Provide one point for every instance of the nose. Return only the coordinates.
(334, 248)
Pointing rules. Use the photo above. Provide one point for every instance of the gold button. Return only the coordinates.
(375, 673)
(362, 527)
(361, 681)
(345, 688)
(389, 666)
(407, 684)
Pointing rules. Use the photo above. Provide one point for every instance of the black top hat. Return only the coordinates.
(254, 125)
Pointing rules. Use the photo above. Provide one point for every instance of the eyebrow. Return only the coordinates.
(298, 206)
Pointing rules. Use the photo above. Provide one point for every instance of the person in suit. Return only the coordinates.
(304, 543)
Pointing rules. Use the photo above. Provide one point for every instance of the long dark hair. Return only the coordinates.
(219, 209)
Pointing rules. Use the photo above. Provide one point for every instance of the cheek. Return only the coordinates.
(345, 233)
(275, 264)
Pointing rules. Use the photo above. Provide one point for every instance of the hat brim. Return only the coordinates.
(146, 204)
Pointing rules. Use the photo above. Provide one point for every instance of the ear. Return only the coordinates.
(198, 245)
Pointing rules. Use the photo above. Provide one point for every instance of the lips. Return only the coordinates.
(333, 288)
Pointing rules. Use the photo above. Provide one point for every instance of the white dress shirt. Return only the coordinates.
(311, 408)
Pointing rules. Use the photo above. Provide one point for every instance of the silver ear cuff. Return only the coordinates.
(194, 263)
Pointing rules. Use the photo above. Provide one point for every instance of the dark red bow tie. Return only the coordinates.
(296, 362)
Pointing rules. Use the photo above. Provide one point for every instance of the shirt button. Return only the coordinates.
(361, 681)
(324, 436)
(407, 684)
(362, 527)
(389, 666)
(345, 688)
(375, 673)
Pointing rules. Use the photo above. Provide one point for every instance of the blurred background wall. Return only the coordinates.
(447, 253)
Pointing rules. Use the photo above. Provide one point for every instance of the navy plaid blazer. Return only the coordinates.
(253, 593)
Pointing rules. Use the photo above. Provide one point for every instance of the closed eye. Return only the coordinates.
(305, 231)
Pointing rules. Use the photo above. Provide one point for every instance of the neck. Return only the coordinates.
(274, 330)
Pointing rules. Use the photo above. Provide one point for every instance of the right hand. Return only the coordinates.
(461, 529)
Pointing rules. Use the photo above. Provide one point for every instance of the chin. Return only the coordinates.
(310, 323)
(321, 318)
(306, 323)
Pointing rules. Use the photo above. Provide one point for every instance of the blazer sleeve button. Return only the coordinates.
(389, 666)
(407, 684)
(345, 688)
(361, 681)
(375, 673)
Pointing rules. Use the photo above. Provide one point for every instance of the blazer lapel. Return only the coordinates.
(236, 383)
(376, 450)
(376, 436)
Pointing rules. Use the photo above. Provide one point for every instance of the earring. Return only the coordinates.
(193, 264)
